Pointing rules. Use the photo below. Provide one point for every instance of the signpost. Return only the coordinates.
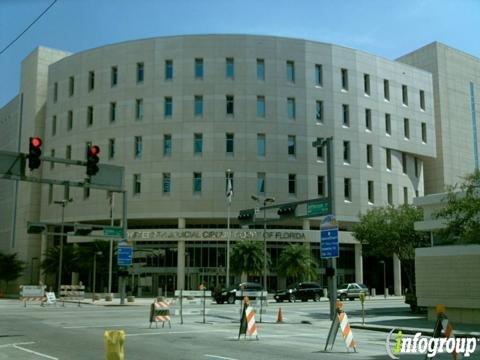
(329, 249)
(329, 243)
(125, 254)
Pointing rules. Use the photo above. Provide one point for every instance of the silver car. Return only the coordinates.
(351, 291)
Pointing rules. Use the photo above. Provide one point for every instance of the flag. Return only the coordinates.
(229, 191)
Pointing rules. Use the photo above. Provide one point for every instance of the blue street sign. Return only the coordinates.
(329, 243)
(125, 254)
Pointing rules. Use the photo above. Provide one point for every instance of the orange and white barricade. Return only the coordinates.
(160, 312)
(247, 322)
(443, 326)
(32, 293)
(341, 322)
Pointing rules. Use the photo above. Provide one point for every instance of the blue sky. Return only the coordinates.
(381, 27)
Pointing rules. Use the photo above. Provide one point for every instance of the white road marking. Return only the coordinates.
(17, 346)
(91, 326)
(219, 357)
(174, 332)
(23, 343)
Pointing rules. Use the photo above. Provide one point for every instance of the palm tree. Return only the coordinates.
(11, 268)
(296, 262)
(69, 262)
(247, 258)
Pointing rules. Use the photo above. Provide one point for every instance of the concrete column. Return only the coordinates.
(358, 264)
(305, 226)
(181, 258)
(397, 276)
(43, 250)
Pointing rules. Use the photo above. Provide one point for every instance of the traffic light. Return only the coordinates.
(287, 211)
(92, 160)
(246, 216)
(34, 153)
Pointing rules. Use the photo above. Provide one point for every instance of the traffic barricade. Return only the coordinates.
(194, 297)
(72, 293)
(160, 312)
(443, 327)
(341, 322)
(32, 293)
(247, 321)
(257, 300)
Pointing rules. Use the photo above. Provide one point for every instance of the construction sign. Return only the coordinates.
(247, 322)
(341, 321)
(160, 312)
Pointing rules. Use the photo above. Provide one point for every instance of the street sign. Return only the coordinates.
(318, 208)
(329, 243)
(113, 231)
(125, 255)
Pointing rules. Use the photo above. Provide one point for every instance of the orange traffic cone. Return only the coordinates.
(279, 316)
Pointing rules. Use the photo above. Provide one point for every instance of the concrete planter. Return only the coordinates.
(130, 298)
(108, 297)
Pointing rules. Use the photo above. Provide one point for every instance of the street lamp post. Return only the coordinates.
(62, 203)
(229, 204)
(95, 272)
(384, 279)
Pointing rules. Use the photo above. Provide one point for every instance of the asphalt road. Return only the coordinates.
(72, 332)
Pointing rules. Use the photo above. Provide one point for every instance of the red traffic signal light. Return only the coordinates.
(34, 153)
(92, 160)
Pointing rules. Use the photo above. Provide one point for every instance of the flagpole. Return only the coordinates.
(229, 203)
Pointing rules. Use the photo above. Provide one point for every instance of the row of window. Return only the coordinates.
(230, 74)
(261, 112)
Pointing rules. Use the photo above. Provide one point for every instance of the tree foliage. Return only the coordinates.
(296, 262)
(462, 211)
(11, 268)
(247, 257)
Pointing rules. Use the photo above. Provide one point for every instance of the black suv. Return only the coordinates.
(231, 295)
(300, 291)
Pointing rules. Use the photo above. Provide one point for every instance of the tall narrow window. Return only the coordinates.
(390, 194)
(366, 84)
(86, 193)
(90, 116)
(168, 69)
(167, 145)
(290, 71)
(197, 144)
(404, 163)
(54, 125)
(168, 107)
(113, 76)
(388, 124)
(198, 106)
(292, 146)
(344, 73)
(138, 147)
(404, 95)
(346, 152)
(229, 143)
(320, 152)
(71, 86)
(198, 68)
(368, 119)
(424, 132)
(405, 195)
(371, 192)
(50, 193)
(388, 158)
(261, 69)
(70, 120)
(417, 170)
(261, 183)
(111, 148)
(370, 155)
(166, 183)
(140, 72)
(230, 101)
(347, 189)
(229, 68)
(52, 154)
(91, 80)
(139, 109)
(320, 186)
(261, 145)
(291, 108)
(261, 106)
(346, 115)
(386, 89)
(319, 111)
(422, 99)
(292, 184)
(55, 92)
(137, 184)
(113, 111)
(318, 75)
(68, 152)
(406, 128)
(197, 182)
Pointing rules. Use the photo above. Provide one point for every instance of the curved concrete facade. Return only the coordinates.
(230, 65)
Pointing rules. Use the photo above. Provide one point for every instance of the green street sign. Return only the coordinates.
(113, 231)
(319, 208)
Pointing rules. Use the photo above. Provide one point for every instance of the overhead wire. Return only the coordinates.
(28, 27)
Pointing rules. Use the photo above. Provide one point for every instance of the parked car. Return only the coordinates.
(230, 295)
(351, 291)
(301, 291)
